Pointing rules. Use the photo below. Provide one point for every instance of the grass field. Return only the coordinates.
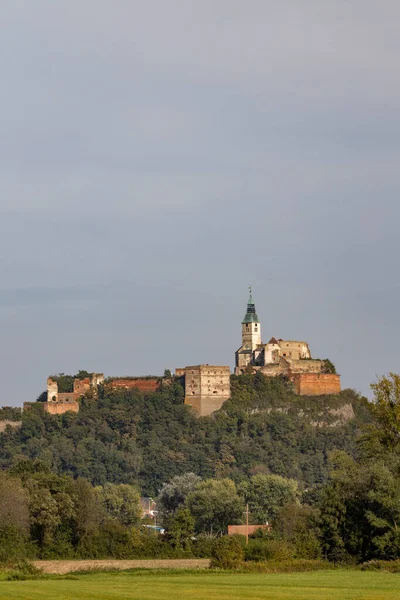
(321, 585)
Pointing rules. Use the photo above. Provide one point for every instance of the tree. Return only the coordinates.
(360, 511)
(121, 502)
(14, 518)
(89, 510)
(215, 504)
(52, 509)
(385, 408)
(180, 528)
(227, 552)
(266, 494)
(173, 494)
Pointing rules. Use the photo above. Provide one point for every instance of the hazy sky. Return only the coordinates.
(158, 157)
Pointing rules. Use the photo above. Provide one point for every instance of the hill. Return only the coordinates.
(125, 436)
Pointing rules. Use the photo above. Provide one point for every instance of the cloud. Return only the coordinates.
(157, 158)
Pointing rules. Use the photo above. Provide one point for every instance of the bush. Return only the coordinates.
(392, 566)
(203, 545)
(227, 552)
(262, 549)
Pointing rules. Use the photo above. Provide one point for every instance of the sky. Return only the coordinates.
(157, 158)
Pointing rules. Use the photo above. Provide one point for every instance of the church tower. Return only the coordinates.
(251, 338)
(251, 328)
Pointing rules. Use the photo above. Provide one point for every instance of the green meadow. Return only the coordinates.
(320, 585)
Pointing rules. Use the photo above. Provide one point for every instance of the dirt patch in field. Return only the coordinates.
(60, 567)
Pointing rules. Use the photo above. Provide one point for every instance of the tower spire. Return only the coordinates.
(251, 315)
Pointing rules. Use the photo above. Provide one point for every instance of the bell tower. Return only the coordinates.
(251, 328)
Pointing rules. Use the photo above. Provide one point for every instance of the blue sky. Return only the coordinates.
(157, 158)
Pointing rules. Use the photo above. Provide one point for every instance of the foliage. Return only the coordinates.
(359, 511)
(328, 367)
(147, 439)
(174, 493)
(266, 494)
(10, 413)
(215, 504)
(227, 552)
(180, 528)
(120, 502)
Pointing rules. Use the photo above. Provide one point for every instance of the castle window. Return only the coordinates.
(215, 391)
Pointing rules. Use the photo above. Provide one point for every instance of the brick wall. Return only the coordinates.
(81, 386)
(144, 385)
(241, 529)
(316, 384)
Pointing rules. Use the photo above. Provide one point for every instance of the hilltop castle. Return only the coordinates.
(207, 387)
(289, 358)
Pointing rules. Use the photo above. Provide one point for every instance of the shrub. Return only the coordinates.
(262, 549)
(393, 566)
(203, 545)
(227, 552)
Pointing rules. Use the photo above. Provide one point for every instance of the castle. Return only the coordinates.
(207, 387)
(290, 358)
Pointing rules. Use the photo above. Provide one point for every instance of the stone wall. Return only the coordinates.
(61, 406)
(316, 384)
(207, 387)
(305, 366)
(139, 383)
(81, 386)
(52, 389)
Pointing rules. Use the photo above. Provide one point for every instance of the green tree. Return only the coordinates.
(215, 504)
(360, 511)
(14, 518)
(227, 552)
(266, 494)
(121, 502)
(180, 528)
(173, 494)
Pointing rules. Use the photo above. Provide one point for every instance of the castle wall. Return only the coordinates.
(81, 386)
(61, 406)
(52, 389)
(207, 387)
(294, 349)
(144, 385)
(316, 384)
(305, 366)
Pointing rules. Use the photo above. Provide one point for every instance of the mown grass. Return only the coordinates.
(321, 585)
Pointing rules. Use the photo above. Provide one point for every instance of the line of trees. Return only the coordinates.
(47, 509)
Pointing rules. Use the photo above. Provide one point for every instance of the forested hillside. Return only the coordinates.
(146, 439)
